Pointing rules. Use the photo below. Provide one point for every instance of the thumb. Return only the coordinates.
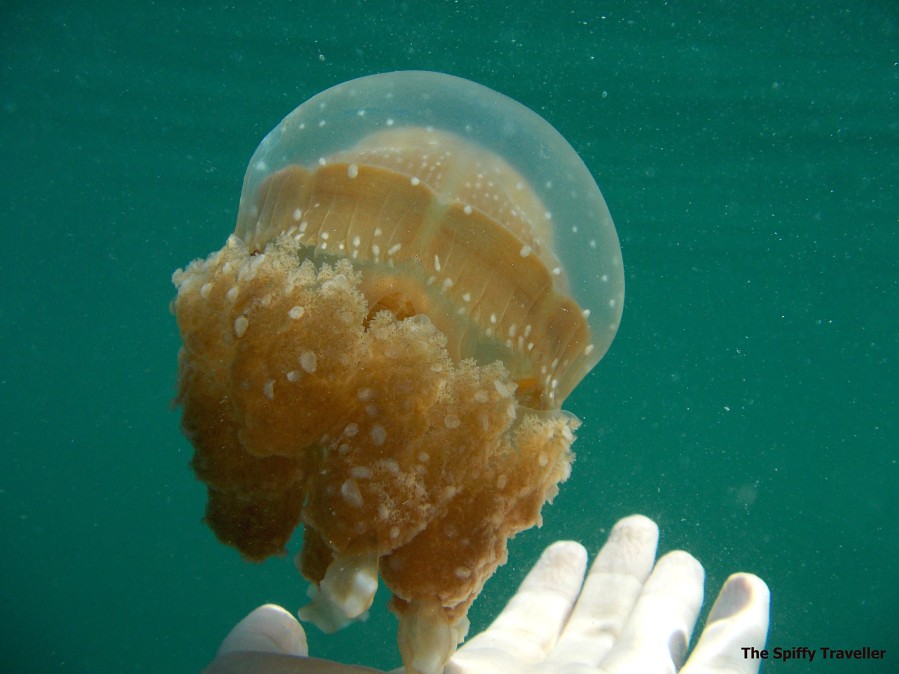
(270, 629)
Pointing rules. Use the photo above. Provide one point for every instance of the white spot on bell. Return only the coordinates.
(378, 434)
(360, 472)
(308, 361)
(350, 492)
(502, 389)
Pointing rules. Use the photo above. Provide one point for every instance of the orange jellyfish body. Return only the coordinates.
(421, 272)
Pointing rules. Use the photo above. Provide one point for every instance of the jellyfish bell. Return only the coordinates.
(463, 145)
(422, 271)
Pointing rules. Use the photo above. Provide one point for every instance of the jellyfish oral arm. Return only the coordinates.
(345, 593)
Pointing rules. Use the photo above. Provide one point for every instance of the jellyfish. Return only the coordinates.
(421, 272)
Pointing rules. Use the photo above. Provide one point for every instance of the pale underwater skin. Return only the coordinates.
(421, 272)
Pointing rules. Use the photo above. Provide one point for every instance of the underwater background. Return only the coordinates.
(749, 154)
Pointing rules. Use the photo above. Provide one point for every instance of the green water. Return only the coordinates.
(748, 153)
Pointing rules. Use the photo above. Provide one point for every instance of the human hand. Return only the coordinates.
(630, 615)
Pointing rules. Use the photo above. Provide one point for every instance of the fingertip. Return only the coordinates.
(630, 548)
(637, 523)
(270, 629)
(561, 566)
(679, 576)
(635, 531)
(570, 553)
(740, 592)
(683, 564)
